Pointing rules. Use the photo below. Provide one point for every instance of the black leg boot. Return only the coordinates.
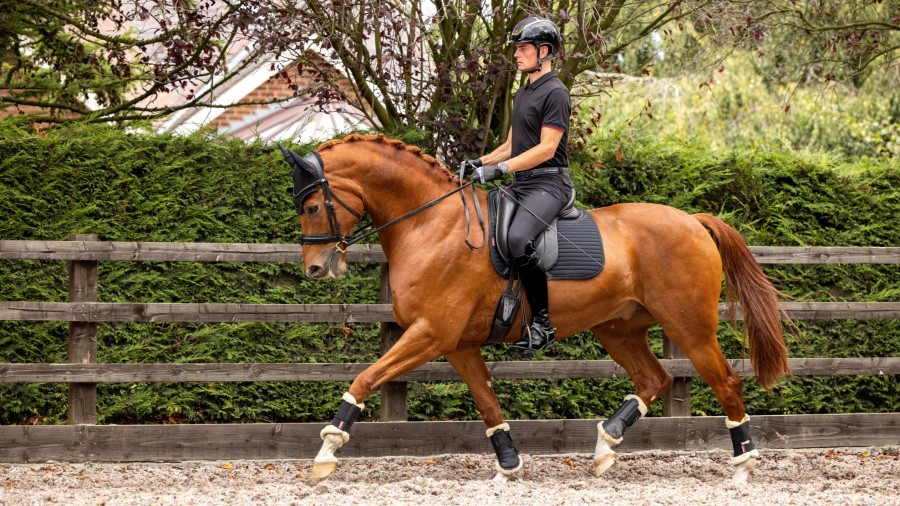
(539, 335)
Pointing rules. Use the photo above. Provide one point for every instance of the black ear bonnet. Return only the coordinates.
(307, 175)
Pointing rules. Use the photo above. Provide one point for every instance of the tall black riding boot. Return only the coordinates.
(539, 335)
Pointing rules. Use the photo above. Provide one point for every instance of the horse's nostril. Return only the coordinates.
(314, 271)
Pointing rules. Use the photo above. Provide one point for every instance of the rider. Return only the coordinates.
(535, 152)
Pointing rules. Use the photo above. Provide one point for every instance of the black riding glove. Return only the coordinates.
(468, 167)
(487, 173)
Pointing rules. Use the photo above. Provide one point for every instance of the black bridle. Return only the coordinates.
(309, 176)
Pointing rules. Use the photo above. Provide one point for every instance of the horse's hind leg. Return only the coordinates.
(699, 343)
(627, 344)
(470, 365)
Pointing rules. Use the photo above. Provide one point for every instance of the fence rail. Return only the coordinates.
(110, 312)
(254, 252)
(173, 443)
(180, 442)
(435, 371)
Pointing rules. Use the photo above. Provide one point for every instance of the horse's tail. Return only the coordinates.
(746, 283)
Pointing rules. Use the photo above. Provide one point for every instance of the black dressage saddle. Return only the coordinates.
(570, 247)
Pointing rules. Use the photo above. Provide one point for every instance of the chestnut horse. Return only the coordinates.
(663, 266)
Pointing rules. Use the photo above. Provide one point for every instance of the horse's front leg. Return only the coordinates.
(470, 365)
(416, 347)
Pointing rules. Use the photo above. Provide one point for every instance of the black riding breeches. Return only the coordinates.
(540, 199)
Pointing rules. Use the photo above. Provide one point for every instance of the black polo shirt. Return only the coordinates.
(544, 103)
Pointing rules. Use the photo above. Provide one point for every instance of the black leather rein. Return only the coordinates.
(309, 175)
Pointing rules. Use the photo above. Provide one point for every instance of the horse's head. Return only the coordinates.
(327, 228)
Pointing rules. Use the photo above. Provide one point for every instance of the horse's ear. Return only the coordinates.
(296, 161)
(307, 177)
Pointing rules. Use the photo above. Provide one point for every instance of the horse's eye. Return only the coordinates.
(313, 209)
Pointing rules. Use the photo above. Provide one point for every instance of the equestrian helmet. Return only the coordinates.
(538, 31)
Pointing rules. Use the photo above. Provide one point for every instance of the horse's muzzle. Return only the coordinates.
(331, 266)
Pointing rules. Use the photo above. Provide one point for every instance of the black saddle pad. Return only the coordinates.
(582, 260)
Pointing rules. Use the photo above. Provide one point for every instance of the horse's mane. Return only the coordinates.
(399, 145)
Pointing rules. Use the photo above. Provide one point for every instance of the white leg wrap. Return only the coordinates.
(751, 455)
(641, 406)
(502, 478)
(332, 439)
(743, 464)
(604, 456)
(732, 425)
(332, 430)
(503, 474)
(507, 472)
(604, 440)
(352, 400)
(503, 426)
(603, 436)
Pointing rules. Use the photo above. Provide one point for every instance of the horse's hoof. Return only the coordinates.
(322, 470)
(742, 471)
(502, 478)
(602, 464)
(743, 466)
(740, 477)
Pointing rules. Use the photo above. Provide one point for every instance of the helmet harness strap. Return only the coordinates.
(541, 60)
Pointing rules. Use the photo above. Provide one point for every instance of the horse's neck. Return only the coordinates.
(392, 190)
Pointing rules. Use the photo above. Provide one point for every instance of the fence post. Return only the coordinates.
(393, 393)
(678, 401)
(82, 336)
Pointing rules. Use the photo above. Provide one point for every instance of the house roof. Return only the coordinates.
(295, 115)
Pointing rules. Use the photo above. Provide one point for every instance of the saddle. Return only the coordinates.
(578, 254)
(569, 248)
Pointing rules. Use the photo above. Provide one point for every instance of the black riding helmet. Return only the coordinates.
(540, 32)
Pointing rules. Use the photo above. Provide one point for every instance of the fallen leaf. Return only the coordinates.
(229, 467)
(300, 475)
(270, 467)
(569, 463)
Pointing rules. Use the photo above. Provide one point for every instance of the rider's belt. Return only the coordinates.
(527, 174)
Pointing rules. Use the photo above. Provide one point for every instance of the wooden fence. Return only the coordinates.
(82, 440)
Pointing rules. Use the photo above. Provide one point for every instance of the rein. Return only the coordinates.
(314, 166)
(354, 239)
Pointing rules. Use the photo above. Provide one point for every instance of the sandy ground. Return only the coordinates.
(857, 476)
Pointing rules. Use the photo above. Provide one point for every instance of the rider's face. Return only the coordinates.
(526, 56)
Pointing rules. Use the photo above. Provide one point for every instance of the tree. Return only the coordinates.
(438, 67)
(812, 41)
(445, 67)
(57, 56)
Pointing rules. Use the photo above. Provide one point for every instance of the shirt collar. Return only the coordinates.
(546, 77)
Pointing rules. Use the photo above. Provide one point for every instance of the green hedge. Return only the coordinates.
(136, 187)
